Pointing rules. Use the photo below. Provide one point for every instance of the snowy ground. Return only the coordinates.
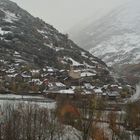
(33, 100)
(70, 133)
(136, 96)
(19, 96)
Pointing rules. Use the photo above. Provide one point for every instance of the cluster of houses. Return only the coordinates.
(78, 79)
(108, 92)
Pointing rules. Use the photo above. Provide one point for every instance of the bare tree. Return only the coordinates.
(29, 122)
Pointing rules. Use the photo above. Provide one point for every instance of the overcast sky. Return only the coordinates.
(63, 14)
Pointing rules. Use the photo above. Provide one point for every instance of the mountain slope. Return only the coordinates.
(115, 38)
(27, 40)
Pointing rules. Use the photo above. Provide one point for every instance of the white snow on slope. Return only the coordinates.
(75, 63)
(136, 96)
(120, 47)
(9, 16)
(2, 32)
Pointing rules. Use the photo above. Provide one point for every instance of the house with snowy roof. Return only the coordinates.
(98, 92)
(114, 95)
(88, 86)
(68, 93)
(18, 77)
(55, 86)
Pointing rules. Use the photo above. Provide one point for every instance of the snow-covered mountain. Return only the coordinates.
(28, 43)
(27, 40)
(115, 38)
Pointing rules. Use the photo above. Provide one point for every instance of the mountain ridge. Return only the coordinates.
(38, 43)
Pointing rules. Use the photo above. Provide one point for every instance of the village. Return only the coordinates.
(79, 92)
(52, 83)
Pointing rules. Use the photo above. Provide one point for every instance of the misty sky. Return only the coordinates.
(64, 14)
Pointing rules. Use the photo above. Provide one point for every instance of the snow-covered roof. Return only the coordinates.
(114, 93)
(25, 76)
(88, 86)
(67, 91)
(58, 49)
(59, 84)
(128, 85)
(62, 70)
(73, 87)
(84, 74)
(87, 92)
(44, 69)
(105, 86)
(76, 71)
(114, 85)
(37, 81)
(104, 94)
(50, 70)
(98, 90)
(120, 87)
(12, 75)
(16, 53)
(10, 70)
(35, 71)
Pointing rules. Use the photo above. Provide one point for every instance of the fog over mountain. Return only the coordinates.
(115, 38)
(64, 14)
